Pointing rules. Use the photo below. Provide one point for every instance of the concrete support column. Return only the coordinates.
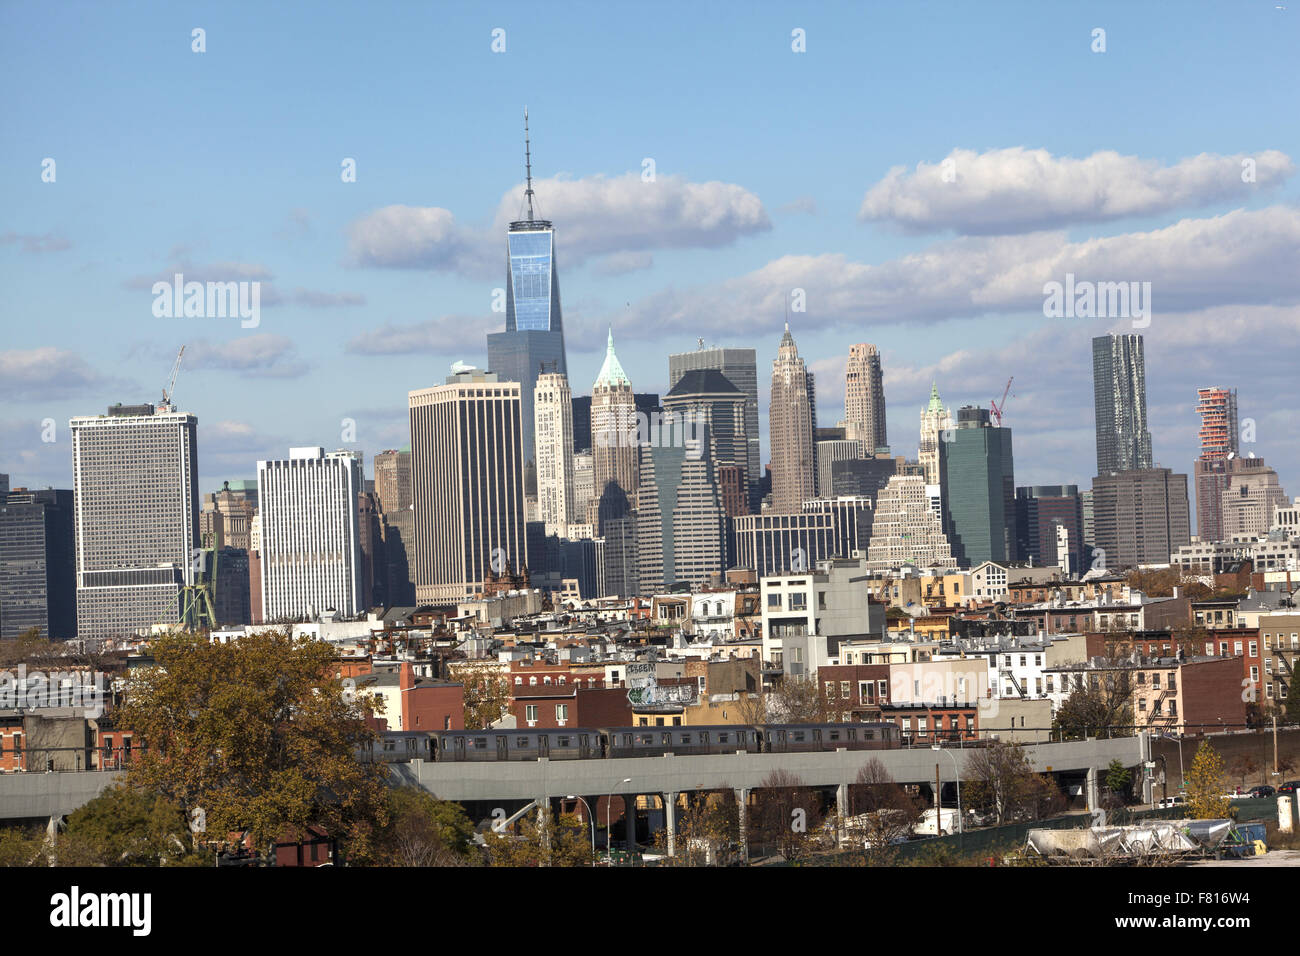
(742, 814)
(1090, 788)
(670, 821)
(544, 828)
(841, 812)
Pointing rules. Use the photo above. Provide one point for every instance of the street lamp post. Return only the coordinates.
(591, 824)
(961, 827)
(609, 800)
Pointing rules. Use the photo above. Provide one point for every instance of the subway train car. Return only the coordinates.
(459, 746)
(657, 741)
(812, 738)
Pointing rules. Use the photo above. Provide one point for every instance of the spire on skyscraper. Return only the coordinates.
(611, 373)
(528, 166)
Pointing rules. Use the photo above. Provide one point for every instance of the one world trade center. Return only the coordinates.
(533, 340)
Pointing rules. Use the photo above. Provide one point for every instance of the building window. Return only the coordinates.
(844, 688)
(1254, 648)
(530, 713)
(774, 600)
(562, 713)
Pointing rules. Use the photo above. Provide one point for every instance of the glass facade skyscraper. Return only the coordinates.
(533, 341)
(977, 478)
(1119, 385)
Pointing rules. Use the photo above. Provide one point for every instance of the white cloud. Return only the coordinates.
(252, 356)
(594, 216)
(1023, 190)
(45, 373)
(1239, 258)
(446, 335)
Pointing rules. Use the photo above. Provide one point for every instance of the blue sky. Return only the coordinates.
(772, 172)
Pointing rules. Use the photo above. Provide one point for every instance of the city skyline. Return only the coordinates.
(343, 307)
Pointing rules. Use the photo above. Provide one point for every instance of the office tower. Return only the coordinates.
(310, 534)
(1250, 496)
(772, 543)
(467, 484)
(1119, 388)
(681, 526)
(553, 431)
(978, 488)
(37, 566)
(396, 526)
(862, 476)
(1089, 523)
(370, 538)
(553, 560)
(231, 595)
(533, 339)
(740, 367)
(714, 403)
(255, 572)
(614, 436)
(584, 484)
(1140, 517)
(1218, 410)
(734, 490)
(829, 453)
(4, 484)
(227, 515)
(935, 420)
(1040, 510)
(852, 516)
(581, 423)
(791, 427)
(864, 398)
(136, 504)
(905, 531)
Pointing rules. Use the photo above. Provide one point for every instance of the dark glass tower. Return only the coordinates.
(534, 336)
(977, 478)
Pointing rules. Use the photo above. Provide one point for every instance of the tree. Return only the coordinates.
(542, 841)
(1103, 706)
(787, 815)
(1205, 785)
(882, 814)
(487, 698)
(706, 830)
(797, 700)
(1119, 779)
(19, 847)
(1291, 707)
(124, 826)
(1243, 766)
(1002, 782)
(257, 737)
(423, 831)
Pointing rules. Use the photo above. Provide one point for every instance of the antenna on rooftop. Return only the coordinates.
(528, 166)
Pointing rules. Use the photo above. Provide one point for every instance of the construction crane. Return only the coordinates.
(171, 383)
(997, 407)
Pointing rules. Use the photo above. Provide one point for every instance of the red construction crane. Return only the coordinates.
(997, 407)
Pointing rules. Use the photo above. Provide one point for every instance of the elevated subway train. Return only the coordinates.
(609, 742)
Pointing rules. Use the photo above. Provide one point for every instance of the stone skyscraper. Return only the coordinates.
(533, 339)
(467, 485)
(1119, 387)
(864, 398)
(613, 427)
(136, 505)
(935, 420)
(311, 554)
(904, 531)
(1140, 517)
(791, 428)
(553, 433)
